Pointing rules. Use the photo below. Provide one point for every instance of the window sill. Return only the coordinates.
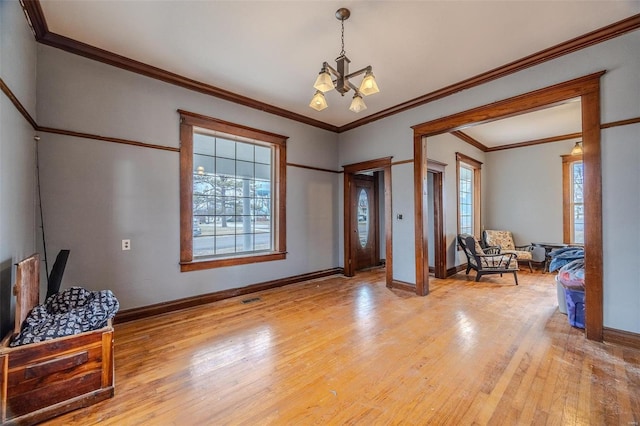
(198, 265)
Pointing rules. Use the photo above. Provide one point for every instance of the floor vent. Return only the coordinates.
(255, 299)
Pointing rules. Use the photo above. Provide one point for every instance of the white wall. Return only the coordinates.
(620, 99)
(98, 193)
(17, 152)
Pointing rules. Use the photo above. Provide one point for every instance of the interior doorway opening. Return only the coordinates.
(367, 217)
(436, 238)
(588, 88)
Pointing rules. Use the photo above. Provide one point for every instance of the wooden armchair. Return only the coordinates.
(488, 260)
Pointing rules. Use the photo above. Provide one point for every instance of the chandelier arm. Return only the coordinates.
(353, 87)
(331, 69)
(356, 73)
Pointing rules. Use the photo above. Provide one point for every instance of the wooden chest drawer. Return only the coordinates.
(41, 380)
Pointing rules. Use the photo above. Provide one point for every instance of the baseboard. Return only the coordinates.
(188, 302)
(620, 337)
(456, 269)
(401, 285)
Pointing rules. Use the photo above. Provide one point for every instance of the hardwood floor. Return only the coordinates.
(351, 351)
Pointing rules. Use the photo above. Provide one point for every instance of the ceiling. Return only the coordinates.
(559, 120)
(272, 51)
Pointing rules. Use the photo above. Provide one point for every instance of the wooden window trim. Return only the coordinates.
(188, 121)
(567, 160)
(477, 166)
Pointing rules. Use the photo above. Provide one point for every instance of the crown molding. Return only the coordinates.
(471, 141)
(594, 37)
(37, 20)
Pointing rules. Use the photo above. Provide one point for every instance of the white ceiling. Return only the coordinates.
(272, 51)
(559, 120)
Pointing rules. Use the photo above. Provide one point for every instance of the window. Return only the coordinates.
(573, 199)
(468, 178)
(232, 194)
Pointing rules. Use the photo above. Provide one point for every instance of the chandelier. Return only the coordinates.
(326, 82)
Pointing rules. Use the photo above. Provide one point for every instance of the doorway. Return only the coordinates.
(436, 238)
(588, 88)
(360, 227)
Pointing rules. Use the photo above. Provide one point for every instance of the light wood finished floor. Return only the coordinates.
(350, 351)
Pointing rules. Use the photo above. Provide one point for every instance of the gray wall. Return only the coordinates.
(443, 148)
(17, 152)
(524, 191)
(620, 99)
(97, 193)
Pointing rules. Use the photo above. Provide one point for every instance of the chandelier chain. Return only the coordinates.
(342, 52)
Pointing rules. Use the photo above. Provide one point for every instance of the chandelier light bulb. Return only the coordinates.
(318, 102)
(369, 85)
(323, 82)
(357, 104)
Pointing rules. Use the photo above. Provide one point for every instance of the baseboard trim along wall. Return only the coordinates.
(454, 270)
(188, 302)
(401, 285)
(620, 337)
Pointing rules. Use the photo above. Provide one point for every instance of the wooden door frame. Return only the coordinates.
(440, 243)
(384, 165)
(588, 89)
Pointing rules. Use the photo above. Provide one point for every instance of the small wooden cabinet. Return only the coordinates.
(43, 380)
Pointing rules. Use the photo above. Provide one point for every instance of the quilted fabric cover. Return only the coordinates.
(72, 311)
(522, 255)
(504, 239)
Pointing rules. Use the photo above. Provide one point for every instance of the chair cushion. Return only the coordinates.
(504, 239)
(498, 262)
(522, 255)
(479, 249)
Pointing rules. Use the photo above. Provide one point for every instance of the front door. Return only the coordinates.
(365, 221)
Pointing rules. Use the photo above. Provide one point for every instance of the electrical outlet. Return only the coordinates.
(126, 244)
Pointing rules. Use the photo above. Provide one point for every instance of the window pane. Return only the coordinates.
(244, 169)
(263, 171)
(577, 182)
(244, 151)
(225, 244)
(578, 223)
(203, 144)
(225, 166)
(203, 164)
(263, 155)
(244, 242)
(225, 148)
